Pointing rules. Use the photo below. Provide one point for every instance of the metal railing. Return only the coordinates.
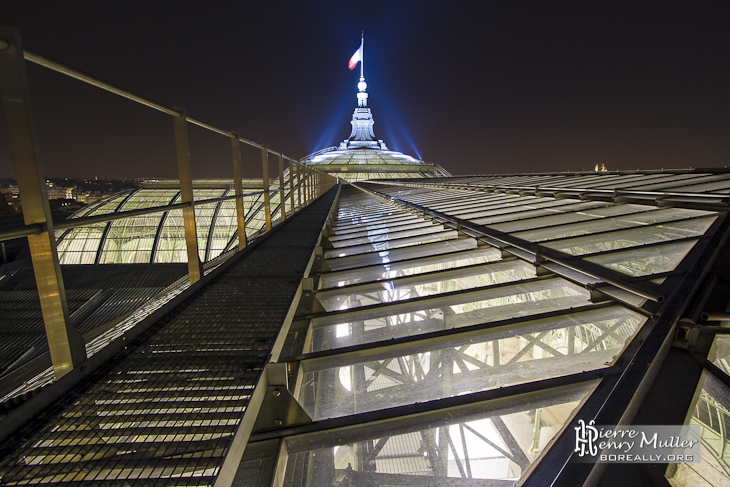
(65, 344)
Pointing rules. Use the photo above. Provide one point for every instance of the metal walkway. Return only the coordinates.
(165, 412)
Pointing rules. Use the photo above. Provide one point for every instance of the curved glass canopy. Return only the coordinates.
(160, 237)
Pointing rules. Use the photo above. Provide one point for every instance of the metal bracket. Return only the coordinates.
(598, 296)
(280, 409)
(320, 264)
(308, 302)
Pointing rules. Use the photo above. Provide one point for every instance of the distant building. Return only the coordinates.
(60, 193)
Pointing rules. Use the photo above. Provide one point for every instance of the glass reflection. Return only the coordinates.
(441, 313)
(477, 442)
(472, 362)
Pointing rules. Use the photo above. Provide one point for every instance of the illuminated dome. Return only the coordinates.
(359, 164)
(361, 156)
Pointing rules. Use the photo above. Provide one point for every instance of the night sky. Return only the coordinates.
(479, 87)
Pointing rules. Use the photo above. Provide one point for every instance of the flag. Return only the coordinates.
(356, 58)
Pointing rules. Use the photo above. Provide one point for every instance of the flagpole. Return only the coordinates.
(362, 55)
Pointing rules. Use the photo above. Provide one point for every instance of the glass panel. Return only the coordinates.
(481, 441)
(671, 181)
(572, 217)
(633, 219)
(468, 202)
(81, 244)
(226, 224)
(417, 286)
(720, 353)
(379, 230)
(410, 267)
(386, 234)
(645, 183)
(371, 222)
(253, 208)
(633, 238)
(440, 313)
(645, 261)
(393, 255)
(171, 243)
(383, 243)
(711, 411)
(131, 240)
(522, 206)
(472, 362)
(525, 213)
(625, 181)
(717, 182)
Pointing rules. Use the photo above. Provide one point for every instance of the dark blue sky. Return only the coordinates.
(476, 86)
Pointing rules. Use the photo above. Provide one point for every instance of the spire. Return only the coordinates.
(362, 135)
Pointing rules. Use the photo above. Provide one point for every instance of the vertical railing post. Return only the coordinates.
(310, 181)
(64, 342)
(316, 184)
(282, 193)
(238, 188)
(303, 185)
(307, 185)
(267, 197)
(299, 185)
(291, 184)
(195, 267)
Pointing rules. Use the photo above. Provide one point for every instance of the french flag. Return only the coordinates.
(356, 58)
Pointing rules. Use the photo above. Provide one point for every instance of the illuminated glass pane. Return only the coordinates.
(226, 224)
(720, 353)
(81, 244)
(131, 240)
(410, 267)
(482, 441)
(444, 312)
(711, 411)
(380, 229)
(630, 220)
(394, 255)
(572, 217)
(634, 237)
(525, 214)
(380, 243)
(418, 286)
(549, 206)
(472, 362)
(385, 234)
(645, 261)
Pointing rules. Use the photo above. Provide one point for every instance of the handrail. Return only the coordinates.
(65, 344)
(74, 73)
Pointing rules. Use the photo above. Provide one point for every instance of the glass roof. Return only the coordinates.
(413, 309)
(160, 237)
